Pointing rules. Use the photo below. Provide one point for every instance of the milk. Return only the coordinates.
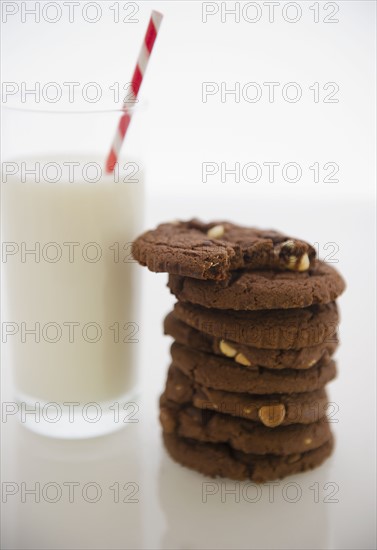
(69, 320)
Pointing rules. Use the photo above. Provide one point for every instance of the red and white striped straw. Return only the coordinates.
(137, 79)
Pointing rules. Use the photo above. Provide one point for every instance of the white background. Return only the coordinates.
(173, 134)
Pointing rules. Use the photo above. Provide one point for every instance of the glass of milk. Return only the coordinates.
(70, 327)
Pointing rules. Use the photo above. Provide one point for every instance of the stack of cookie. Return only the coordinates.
(255, 328)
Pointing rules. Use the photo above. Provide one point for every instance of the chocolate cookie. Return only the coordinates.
(270, 329)
(254, 290)
(243, 435)
(221, 460)
(213, 250)
(221, 373)
(270, 410)
(249, 356)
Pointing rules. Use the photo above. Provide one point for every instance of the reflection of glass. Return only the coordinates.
(72, 494)
(70, 321)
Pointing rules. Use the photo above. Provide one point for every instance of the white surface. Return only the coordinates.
(175, 135)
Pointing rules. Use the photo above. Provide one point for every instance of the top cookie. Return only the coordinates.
(213, 250)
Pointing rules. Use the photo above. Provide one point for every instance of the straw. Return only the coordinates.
(137, 79)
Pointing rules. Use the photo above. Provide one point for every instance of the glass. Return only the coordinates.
(70, 326)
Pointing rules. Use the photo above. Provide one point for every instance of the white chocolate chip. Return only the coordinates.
(242, 360)
(291, 263)
(226, 349)
(304, 263)
(216, 232)
(272, 415)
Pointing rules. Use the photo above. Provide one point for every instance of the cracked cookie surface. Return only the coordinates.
(213, 250)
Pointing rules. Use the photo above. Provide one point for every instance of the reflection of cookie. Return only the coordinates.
(221, 460)
(211, 251)
(270, 410)
(303, 358)
(221, 373)
(270, 329)
(243, 435)
(254, 290)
